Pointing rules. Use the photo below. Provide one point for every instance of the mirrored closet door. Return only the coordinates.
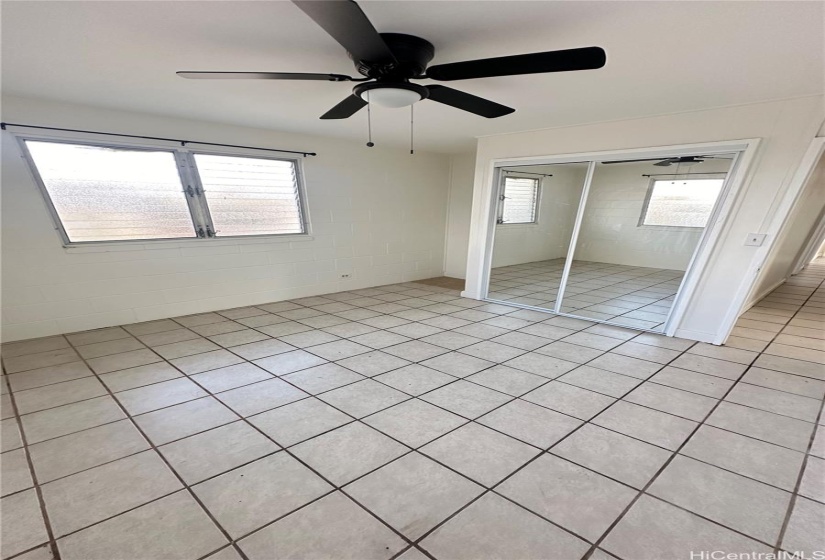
(536, 213)
(634, 238)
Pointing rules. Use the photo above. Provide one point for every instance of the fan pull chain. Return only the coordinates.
(370, 144)
(678, 165)
(412, 150)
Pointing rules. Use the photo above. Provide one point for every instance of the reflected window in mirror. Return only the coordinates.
(680, 202)
(519, 201)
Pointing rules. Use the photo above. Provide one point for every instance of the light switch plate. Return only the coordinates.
(755, 239)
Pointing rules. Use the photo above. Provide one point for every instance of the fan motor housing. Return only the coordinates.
(412, 53)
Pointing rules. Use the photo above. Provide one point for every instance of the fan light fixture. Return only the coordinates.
(391, 97)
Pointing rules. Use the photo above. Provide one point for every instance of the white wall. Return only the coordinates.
(786, 128)
(376, 213)
(460, 204)
(550, 237)
(803, 219)
(610, 231)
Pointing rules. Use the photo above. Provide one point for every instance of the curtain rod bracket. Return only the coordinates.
(183, 143)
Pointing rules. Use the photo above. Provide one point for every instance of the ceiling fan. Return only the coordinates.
(667, 162)
(388, 61)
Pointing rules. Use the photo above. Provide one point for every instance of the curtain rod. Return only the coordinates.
(525, 172)
(3, 126)
(679, 174)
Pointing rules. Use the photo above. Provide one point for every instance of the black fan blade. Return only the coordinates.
(587, 58)
(667, 162)
(263, 76)
(468, 102)
(345, 108)
(347, 23)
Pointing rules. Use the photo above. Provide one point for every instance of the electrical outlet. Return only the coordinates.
(346, 275)
(755, 239)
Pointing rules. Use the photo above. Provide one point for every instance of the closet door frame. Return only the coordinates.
(481, 246)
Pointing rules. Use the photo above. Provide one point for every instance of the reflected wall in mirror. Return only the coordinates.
(641, 225)
(536, 215)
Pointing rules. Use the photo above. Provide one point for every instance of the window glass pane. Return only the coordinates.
(519, 205)
(685, 203)
(250, 196)
(113, 194)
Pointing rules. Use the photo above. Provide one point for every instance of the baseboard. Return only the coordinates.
(700, 336)
(758, 297)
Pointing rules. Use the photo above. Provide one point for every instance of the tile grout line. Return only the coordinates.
(541, 453)
(797, 486)
(52, 542)
(664, 466)
(232, 541)
(807, 454)
(448, 350)
(558, 377)
(637, 309)
(216, 395)
(160, 455)
(615, 284)
(481, 321)
(382, 465)
(412, 397)
(465, 378)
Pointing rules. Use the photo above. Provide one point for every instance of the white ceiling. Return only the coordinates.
(663, 57)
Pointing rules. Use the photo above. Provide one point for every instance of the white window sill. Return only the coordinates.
(142, 245)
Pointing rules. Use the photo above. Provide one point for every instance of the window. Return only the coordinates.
(250, 196)
(110, 194)
(519, 201)
(680, 202)
(120, 193)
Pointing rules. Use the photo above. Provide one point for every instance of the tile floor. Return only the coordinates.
(404, 422)
(632, 296)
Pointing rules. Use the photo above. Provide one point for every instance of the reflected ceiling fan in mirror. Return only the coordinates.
(388, 61)
(667, 162)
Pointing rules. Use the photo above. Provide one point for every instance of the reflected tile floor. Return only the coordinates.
(406, 422)
(632, 296)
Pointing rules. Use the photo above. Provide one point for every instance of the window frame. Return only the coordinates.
(502, 200)
(299, 181)
(187, 171)
(692, 177)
